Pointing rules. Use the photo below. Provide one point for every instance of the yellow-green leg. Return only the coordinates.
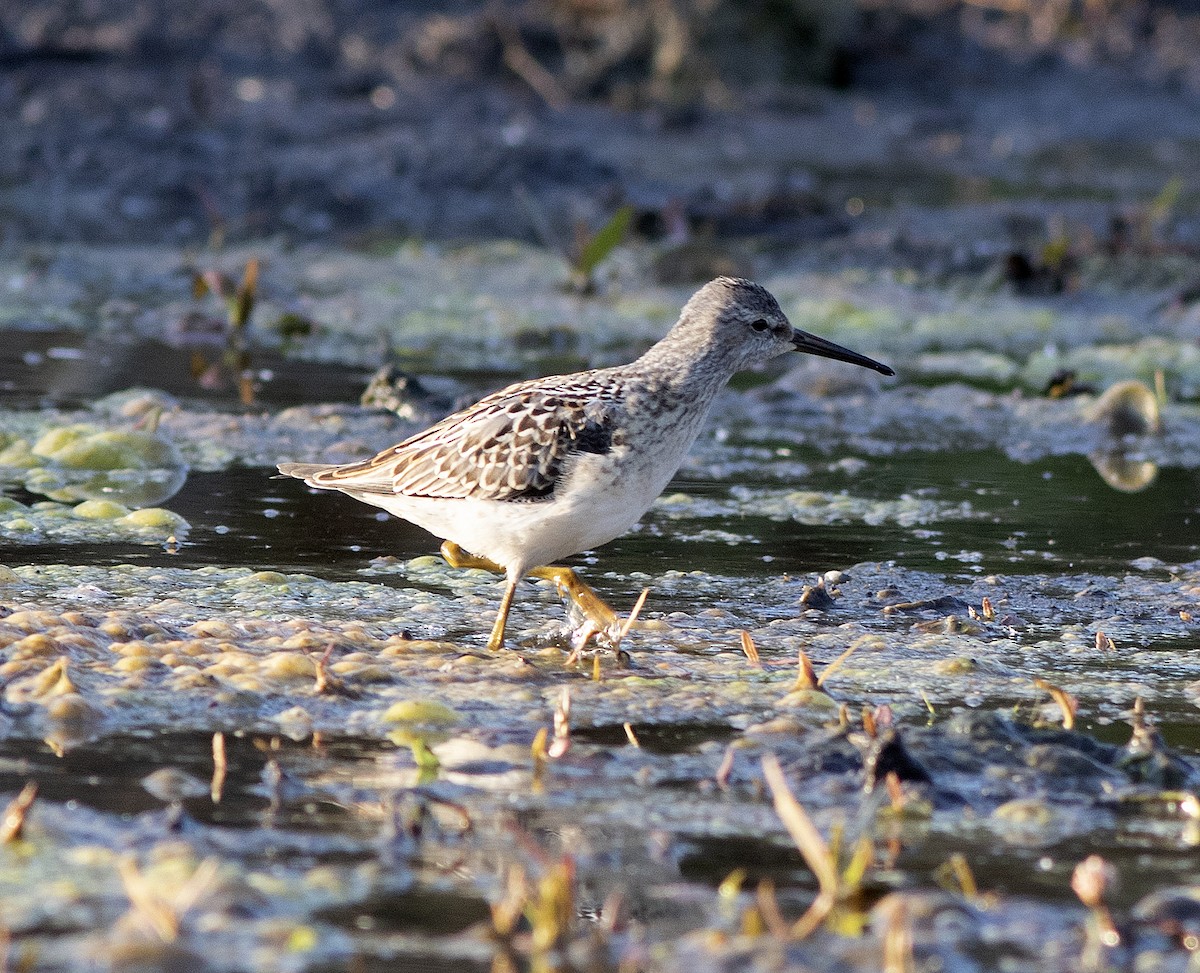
(456, 557)
(566, 580)
(496, 639)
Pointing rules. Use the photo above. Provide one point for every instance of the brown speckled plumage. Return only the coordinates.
(510, 445)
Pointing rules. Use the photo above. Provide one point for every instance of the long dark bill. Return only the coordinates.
(810, 344)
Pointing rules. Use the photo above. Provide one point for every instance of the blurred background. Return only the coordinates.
(155, 121)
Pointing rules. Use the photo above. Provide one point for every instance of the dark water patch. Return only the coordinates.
(1055, 515)
(110, 774)
(106, 775)
(710, 860)
(245, 517)
(428, 911)
(659, 738)
(413, 961)
(65, 368)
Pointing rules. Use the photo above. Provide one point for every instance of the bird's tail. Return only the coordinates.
(304, 471)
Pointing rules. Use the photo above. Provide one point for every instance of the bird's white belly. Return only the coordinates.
(601, 498)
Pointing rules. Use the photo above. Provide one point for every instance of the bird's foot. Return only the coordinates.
(456, 557)
(598, 617)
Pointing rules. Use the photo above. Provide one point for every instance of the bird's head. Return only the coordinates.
(741, 319)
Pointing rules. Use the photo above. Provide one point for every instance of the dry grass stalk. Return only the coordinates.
(523, 64)
(898, 940)
(1067, 703)
(810, 844)
(1091, 881)
(562, 726)
(538, 751)
(868, 722)
(633, 617)
(806, 675)
(768, 909)
(321, 682)
(551, 910)
(726, 769)
(631, 736)
(220, 767)
(163, 915)
(956, 876)
(13, 821)
(830, 669)
(507, 911)
(750, 649)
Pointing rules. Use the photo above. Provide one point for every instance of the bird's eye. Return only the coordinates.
(760, 325)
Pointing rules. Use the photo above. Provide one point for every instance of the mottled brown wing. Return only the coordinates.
(509, 446)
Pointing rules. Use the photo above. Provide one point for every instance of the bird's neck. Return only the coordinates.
(687, 363)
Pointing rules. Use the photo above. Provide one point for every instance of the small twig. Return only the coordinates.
(219, 767)
(836, 663)
(750, 649)
(810, 844)
(562, 726)
(523, 64)
(1067, 703)
(632, 737)
(13, 820)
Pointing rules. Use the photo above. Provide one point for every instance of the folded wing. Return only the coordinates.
(513, 445)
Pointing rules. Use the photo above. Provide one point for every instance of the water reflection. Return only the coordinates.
(1123, 472)
(129, 487)
(80, 462)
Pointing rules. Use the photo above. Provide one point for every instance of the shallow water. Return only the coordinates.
(376, 820)
(371, 848)
(985, 514)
